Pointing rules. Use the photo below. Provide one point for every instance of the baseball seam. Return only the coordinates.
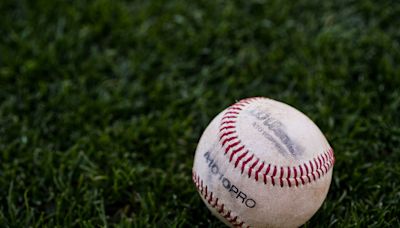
(253, 167)
(216, 203)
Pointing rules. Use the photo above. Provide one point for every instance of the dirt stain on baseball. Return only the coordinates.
(274, 131)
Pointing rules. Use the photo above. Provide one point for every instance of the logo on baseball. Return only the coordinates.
(262, 163)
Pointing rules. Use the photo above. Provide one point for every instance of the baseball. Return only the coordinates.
(263, 163)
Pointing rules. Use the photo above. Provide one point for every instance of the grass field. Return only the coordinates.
(102, 103)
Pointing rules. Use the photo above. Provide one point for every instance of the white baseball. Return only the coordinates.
(262, 163)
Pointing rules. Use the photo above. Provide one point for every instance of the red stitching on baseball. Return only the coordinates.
(273, 176)
(226, 134)
(301, 171)
(288, 177)
(325, 169)
(214, 202)
(306, 167)
(228, 215)
(318, 168)
(232, 112)
(247, 161)
(268, 169)
(259, 169)
(307, 173)
(252, 166)
(231, 146)
(312, 169)
(229, 117)
(228, 140)
(234, 108)
(235, 151)
(295, 176)
(275, 171)
(281, 177)
(301, 175)
(266, 173)
(302, 180)
(233, 220)
(226, 127)
(210, 198)
(228, 122)
(316, 164)
(240, 158)
(322, 162)
(326, 165)
(221, 209)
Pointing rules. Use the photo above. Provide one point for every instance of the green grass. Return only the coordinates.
(102, 103)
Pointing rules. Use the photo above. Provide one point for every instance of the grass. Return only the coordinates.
(102, 103)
